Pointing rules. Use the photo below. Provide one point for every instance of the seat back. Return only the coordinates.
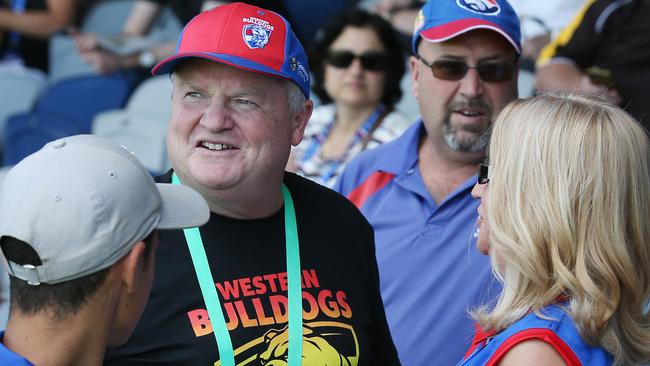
(152, 98)
(64, 109)
(26, 133)
(83, 97)
(142, 135)
(22, 90)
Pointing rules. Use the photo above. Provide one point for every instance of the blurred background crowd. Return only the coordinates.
(82, 66)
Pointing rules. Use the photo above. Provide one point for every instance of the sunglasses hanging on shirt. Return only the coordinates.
(371, 61)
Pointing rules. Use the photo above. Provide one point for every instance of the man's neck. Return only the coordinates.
(77, 340)
(243, 202)
(245, 207)
(443, 170)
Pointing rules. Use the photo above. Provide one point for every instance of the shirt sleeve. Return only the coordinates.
(578, 42)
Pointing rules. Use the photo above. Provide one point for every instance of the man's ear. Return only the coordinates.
(415, 75)
(299, 122)
(133, 267)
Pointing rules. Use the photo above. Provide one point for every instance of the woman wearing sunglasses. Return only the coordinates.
(564, 215)
(357, 63)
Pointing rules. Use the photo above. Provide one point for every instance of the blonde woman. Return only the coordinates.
(564, 215)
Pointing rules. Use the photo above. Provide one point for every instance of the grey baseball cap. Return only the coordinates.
(82, 202)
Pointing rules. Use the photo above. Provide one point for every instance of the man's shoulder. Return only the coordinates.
(387, 158)
(317, 196)
(325, 203)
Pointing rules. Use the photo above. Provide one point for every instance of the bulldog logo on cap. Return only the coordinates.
(256, 35)
(483, 7)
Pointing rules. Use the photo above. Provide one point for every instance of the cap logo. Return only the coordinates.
(482, 7)
(296, 65)
(256, 34)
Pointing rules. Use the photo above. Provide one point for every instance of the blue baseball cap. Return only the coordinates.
(441, 20)
(242, 36)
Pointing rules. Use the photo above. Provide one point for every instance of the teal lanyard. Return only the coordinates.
(211, 298)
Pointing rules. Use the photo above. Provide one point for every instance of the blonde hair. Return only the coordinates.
(568, 210)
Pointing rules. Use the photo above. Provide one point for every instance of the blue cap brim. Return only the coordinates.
(169, 64)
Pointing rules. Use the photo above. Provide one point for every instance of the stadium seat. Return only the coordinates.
(142, 126)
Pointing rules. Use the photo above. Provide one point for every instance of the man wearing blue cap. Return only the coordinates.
(415, 191)
(284, 272)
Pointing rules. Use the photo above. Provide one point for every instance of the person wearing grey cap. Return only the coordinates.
(416, 190)
(284, 273)
(78, 225)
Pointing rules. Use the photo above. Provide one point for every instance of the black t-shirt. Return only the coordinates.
(615, 35)
(342, 310)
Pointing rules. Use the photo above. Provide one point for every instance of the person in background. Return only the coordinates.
(605, 49)
(400, 13)
(142, 16)
(540, 23)
(415, 190)
(144, 13)
(283, 261)
(357, 64)
(26, 25)
(563, 217)
(78, 230)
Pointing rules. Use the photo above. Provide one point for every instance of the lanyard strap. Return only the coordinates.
(211, 298)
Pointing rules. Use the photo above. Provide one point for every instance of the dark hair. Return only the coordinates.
(61, 299)
(395, 55)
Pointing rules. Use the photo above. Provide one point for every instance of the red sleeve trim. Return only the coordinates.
(480, 337)
(370, 186)
(542, 334)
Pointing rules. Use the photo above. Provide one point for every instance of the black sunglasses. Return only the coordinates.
(372, 61)
(490, 72)
(484, 175)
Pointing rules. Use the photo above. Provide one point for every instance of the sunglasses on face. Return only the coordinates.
(490, 72)
(372, 61)
(484, 175)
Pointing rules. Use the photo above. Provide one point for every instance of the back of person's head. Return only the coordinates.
(73, 209)
(568, 207)
(395, 56)
(60, 299)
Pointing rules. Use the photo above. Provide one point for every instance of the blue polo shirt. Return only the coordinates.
(9, 358)
(431, 273)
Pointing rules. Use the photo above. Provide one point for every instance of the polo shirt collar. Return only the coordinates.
(401, 159)
(401, 154)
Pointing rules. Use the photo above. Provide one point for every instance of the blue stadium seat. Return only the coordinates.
(28, 132)
(66, 108)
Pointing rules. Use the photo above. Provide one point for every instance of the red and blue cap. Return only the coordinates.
(440, 20)
(242, 36)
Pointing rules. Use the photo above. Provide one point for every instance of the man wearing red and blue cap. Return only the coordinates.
(416, 190)
(264, 281)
